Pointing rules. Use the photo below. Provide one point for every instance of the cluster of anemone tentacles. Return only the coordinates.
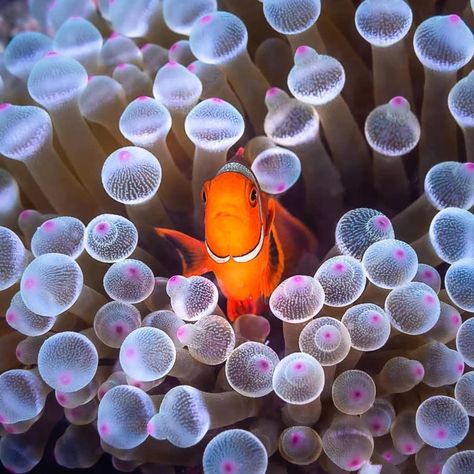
(358, 116)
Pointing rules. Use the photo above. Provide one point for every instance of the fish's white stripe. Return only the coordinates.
(215, 257)
(253, 253)
(241, 258)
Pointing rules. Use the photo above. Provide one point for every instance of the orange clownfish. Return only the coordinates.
(250, 240)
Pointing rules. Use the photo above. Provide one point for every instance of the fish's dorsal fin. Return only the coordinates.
(191, 251)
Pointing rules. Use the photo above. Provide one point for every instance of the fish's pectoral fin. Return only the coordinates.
(273, 271)
(191, 251)
(298, 241)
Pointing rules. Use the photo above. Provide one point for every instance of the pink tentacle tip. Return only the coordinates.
(61, 398)
(280, 187)
(460, 368)
(356, 462)
(192, 67)
(454, 19)
(296, 438)
(456, 320)
(376, 427)
(10, 316)
(124, 156)
(52, 4)
(228, 467)
(104, 429)
(121, 66)
(469, 167)
(272, 91)
(217, 100)
(30, 283)
(297, 279)
(398, 101)
(408, 449)
(263, 365)
(133, 272)
(48, 225)
(52, 53)
(299, 367)
(174, 46)
(171, 64)
(429, 299)
(64, 379)
(102, 228)
(339, 267)
(114, 35)
(119, 329)
(130, 353)
(428, 274)
(301, 50)
(4, 106)
(27, 212)
(375, 318)
(145, 47)
(419, 371)
(400, 254)
(149, 428)
(174, 279)
(387, 456)
(357, 394)
(205, 19)
(328, 336)
(143, 98)
(382, 222)
(441, 433)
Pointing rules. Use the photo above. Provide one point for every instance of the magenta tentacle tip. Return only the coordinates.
(272, 91)
(102, 228)
(30, 283)
(454, 19)
(205, 19)
(302, 49)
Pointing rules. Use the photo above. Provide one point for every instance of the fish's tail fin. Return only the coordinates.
(191, 251)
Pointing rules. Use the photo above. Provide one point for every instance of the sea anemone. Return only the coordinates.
(355, 117)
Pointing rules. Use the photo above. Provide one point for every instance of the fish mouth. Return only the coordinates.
(226, 215)
(247, 257)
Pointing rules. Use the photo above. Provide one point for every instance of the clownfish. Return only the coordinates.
(250, 241)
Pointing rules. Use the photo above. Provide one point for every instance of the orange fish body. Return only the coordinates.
(250, 239)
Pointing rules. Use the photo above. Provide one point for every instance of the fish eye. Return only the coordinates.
(253, 196)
